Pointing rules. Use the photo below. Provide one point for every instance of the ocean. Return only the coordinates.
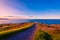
(45, 21)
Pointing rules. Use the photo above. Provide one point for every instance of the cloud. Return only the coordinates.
(5, 10)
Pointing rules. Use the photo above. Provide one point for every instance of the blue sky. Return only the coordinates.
(35, 7)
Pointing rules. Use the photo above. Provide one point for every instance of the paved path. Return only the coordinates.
(27, 34)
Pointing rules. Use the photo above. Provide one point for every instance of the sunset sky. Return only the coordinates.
(39, 9)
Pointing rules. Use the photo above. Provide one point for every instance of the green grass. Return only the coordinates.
(41, 35)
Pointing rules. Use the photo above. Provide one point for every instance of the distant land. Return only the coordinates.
(3, 18)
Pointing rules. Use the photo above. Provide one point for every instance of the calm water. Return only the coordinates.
(47, 21)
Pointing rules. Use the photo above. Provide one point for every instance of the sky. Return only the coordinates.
(30, 9)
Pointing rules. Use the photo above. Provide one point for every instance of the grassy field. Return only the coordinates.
(42, 32)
